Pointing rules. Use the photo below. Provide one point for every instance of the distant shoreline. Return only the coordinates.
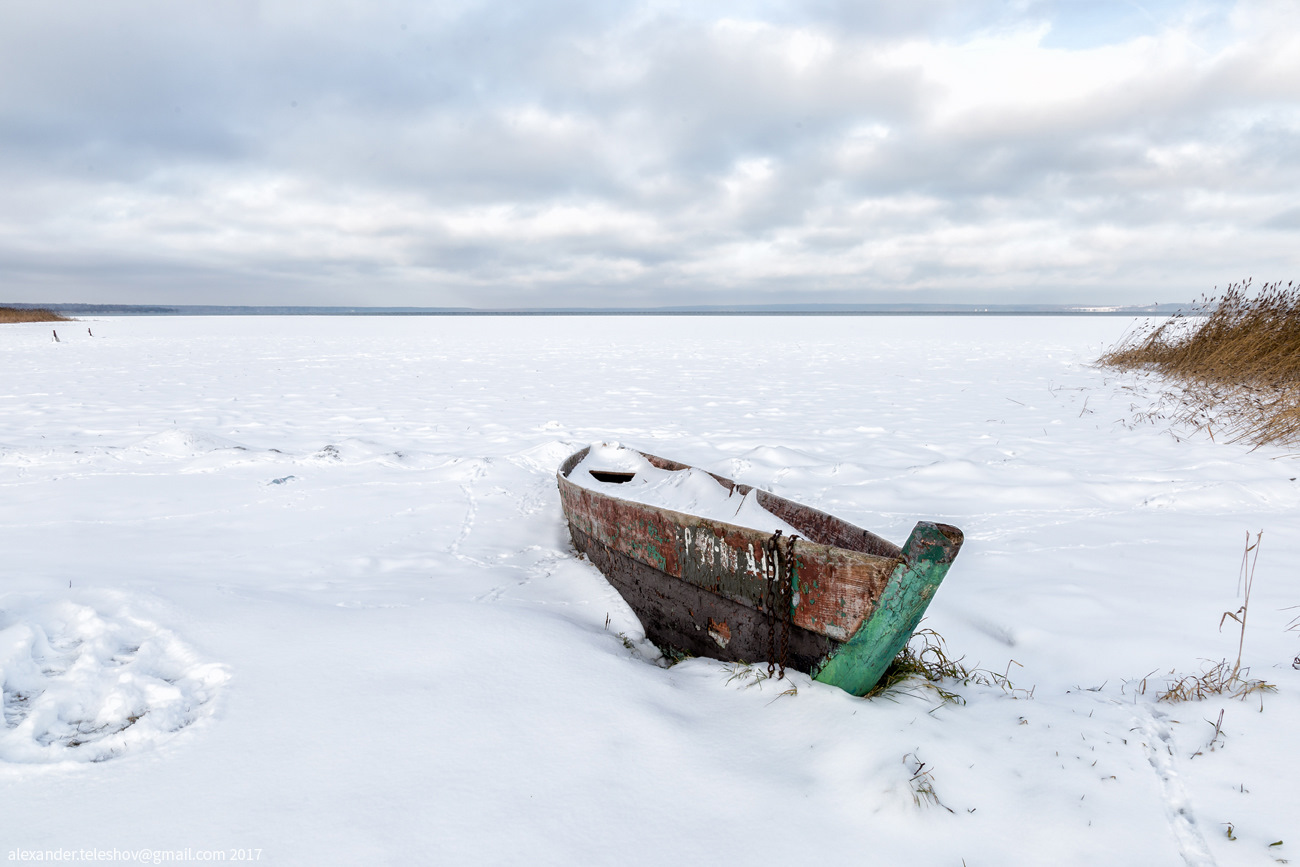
(75, 309)
(14, 315)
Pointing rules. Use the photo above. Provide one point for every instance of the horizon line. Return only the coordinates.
(830, 309)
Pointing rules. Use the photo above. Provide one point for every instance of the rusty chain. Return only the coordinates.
(778, 595)
(769, 598)
(787, 600)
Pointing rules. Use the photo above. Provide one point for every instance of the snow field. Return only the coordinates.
(363, 637)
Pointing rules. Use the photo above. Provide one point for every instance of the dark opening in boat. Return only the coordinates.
(618, 477)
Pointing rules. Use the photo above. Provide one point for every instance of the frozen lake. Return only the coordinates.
(302, 585)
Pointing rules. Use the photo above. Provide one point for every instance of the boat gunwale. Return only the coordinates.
(856, 655)
(688, 519)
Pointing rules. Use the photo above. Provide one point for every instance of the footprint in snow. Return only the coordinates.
(80, 685)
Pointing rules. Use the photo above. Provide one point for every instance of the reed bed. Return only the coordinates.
(1234, 359)
(36, 314)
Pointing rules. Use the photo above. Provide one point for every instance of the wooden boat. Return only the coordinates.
(837, 601)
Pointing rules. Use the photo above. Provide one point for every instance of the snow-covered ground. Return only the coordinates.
(302, 586)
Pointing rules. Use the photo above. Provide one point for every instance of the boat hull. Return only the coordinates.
(695, 621)
(700, 586)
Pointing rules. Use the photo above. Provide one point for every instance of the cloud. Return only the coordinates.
(575, 153)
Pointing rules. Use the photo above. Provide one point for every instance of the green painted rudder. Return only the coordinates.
(857, 665)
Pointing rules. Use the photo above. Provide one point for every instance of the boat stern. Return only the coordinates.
(857, 665)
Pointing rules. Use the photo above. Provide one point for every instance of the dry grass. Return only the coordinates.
(1235, 358)
(1223, 677)
(1241, 340)
(922, 783)
(1218, 678)
(37, 314)
(925, 660)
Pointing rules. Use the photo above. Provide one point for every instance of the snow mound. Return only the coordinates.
(780, 457)
(353, 451)
(546, 457)
(182, 443)
(83, 686)
(691, 491)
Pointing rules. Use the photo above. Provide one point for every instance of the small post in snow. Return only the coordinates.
(56, 335)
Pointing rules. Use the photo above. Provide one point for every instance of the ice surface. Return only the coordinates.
(394, 657)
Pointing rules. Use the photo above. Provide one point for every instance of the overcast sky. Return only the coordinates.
(625, 154)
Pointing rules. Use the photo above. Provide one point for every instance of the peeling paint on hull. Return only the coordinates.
(698, 585)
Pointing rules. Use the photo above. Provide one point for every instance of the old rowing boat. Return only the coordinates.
(829, 599)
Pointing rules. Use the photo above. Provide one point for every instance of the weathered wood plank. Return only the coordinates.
(699, 585)
(857, 665)
(687, 618)
(835, 587)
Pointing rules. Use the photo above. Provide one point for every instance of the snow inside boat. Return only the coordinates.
(720, 569)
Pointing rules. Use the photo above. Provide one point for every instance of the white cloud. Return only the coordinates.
(400, 153)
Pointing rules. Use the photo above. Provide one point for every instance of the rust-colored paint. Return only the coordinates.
(699, 585)
(857, 664)
(841, 570)
(676, 613)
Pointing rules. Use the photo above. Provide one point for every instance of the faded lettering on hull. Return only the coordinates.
(836, 588)
(700, 585)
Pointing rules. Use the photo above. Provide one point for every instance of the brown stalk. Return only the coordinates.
(1234, 359)
(37, 314)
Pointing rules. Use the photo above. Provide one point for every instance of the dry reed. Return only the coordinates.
(1235, 358)
(1224, 678)
(925, 660)
(35, 314)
